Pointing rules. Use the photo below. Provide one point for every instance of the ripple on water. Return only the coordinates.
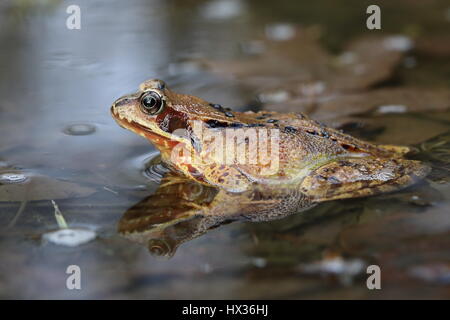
(155, 171)
(142, 170)
(79, 129)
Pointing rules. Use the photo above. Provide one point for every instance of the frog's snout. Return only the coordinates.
(124, 105)
(120, 103)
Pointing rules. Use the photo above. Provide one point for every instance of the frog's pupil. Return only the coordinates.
(151, 103)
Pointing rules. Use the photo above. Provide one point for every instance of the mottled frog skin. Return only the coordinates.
(315, 163)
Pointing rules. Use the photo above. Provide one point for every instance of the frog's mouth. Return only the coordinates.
(160, 141)
(133, 126)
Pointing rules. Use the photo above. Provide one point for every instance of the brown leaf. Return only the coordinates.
(389, 100)
(18, 185)
(301, 62)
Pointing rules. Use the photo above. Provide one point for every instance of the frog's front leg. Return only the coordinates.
(360, 177)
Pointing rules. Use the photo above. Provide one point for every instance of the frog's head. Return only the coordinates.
(163, 116)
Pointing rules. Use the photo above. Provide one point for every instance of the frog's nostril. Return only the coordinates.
(121, 102)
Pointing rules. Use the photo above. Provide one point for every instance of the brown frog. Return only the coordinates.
(274, 163)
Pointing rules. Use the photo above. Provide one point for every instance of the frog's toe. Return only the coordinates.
(352, 178)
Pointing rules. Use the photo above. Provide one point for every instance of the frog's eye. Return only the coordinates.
(152, 103)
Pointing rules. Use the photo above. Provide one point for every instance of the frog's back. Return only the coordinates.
(302, 145)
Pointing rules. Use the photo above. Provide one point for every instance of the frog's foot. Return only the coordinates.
(360, 177)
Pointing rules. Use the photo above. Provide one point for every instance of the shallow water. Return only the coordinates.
(55, 128)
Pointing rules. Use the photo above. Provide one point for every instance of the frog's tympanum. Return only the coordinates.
(227, 165)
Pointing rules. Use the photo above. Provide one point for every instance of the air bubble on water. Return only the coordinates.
(398, 43)
(276, 96)
(12, 178)
(280, 32)
(79, 129)
(222, 9)
(392, 108)
(70, 237)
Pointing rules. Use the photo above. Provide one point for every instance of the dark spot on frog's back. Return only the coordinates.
(350, 148)
(225, 111)
(312, 132)
(216, 124)
(290, 129)
(217, 107)
(253, 125)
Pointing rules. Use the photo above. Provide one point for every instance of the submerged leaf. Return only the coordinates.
(388, 100)
(16, 185)
(301, 65)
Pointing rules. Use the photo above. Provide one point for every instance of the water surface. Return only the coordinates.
(57, 86)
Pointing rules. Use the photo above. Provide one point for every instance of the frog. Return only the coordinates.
(309, 162)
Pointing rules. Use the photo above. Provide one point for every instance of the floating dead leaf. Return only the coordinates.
(388, 100)
(366, 62)
(307, 70)
(16, 185)
(300, 58)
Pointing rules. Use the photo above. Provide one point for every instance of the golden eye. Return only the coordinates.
(152, 103)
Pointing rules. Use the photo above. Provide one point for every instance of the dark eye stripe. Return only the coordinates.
(217, 124)
(290, 129)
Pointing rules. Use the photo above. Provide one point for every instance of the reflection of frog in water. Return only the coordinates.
(314, 163)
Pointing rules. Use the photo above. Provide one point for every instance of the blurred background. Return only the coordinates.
(59, 142)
